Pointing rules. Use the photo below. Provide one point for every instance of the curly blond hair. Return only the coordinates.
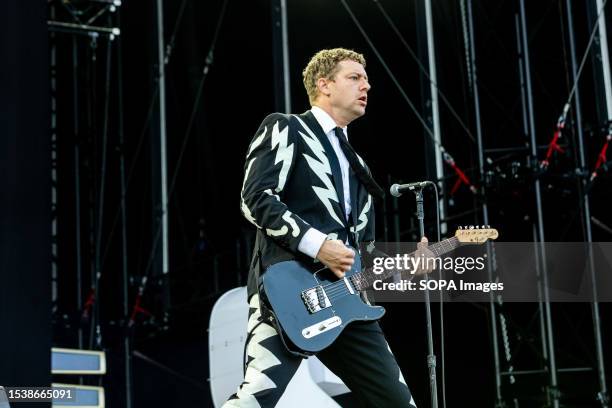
(324, 64)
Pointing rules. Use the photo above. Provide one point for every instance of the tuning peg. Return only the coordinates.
(478, 227)
(460, 227)
(471, 227)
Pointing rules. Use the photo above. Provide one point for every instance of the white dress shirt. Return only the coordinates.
(313, 239)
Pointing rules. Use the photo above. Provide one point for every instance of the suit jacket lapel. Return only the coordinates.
(311, 121)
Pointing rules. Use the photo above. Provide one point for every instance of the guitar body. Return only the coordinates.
(312, 309)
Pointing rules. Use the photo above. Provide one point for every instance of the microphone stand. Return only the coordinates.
(431, 357)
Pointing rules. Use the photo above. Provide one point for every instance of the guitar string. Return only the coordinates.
(337, 293)
(339, 286)
(338, 289)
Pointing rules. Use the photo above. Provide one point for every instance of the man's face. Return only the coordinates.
(349, 90)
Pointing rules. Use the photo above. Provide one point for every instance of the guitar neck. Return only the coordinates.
(366, 278)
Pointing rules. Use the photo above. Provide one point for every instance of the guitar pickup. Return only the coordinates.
(315, 299)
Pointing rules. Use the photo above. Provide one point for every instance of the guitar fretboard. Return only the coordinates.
(366, 278)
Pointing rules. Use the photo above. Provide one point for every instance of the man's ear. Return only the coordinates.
(323, 86)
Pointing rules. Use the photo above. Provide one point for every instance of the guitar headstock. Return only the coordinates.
(472, 234)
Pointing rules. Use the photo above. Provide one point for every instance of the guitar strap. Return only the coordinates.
(267, 314)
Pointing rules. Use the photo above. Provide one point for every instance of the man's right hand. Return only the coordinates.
(336, 256)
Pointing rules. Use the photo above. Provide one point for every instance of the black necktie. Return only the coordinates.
(362, 174)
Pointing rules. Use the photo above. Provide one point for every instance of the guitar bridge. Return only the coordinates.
(315, 299)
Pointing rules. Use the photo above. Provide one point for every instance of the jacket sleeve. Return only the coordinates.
(269, 161)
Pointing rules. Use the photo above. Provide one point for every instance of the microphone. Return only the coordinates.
(398, 189)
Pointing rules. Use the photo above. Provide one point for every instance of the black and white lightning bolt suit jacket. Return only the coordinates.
(292, 182)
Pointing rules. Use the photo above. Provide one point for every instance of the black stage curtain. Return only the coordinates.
(25, 196)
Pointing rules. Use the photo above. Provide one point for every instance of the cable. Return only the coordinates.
(207, 64)
(588, 48)
(99, 260)
(447, 157)
(93, 300)
(198, 384)
(423, 70)
(102, 186)
(147, 122)
(553, 146)
(125, 302)
(466, 41)
(393, 78)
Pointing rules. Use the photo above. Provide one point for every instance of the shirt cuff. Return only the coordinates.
(311, 242)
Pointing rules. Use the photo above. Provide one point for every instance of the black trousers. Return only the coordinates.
(361, 357)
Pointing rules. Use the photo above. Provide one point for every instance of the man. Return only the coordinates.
(309, 194)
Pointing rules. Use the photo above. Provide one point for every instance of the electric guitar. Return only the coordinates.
(310, 310)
